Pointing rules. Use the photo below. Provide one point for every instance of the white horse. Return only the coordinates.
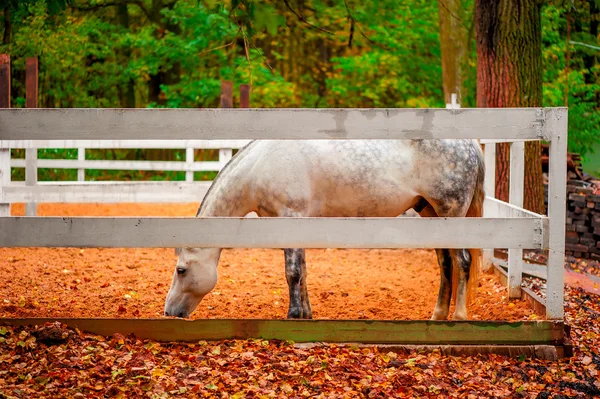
(340, 178)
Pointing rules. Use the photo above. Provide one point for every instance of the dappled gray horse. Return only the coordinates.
(340, 178)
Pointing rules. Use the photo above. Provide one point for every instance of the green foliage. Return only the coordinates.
(577, 86)
(404, 70)
(309, 53)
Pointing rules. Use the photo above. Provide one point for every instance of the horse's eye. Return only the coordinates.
(181, 271)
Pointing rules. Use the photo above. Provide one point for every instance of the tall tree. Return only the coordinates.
(509, 74)
(127, 93)
(455, 37)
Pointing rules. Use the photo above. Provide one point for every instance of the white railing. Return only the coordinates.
(110, 192)
(504, 225)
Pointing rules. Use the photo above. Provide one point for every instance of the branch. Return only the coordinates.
(305, 21)
(94, 7)
(354, 22)
(351, 35)
(584, 44)
(218, 47)
(264, 59)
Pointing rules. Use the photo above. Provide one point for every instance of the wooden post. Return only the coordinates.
(4, 153)
(4, 81)
(226, 94)
(225, 154)
(31, 89)
(189, 160)
(556, 125)
(490, 190)
(81, 157)
(515, 195)
(453, 103)
(244, 96)
(31, 78)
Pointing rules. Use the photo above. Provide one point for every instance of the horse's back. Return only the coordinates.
(357, 177)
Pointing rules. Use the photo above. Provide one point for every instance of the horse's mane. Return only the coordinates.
(234, 160)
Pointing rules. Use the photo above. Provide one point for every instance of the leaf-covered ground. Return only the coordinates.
(54, 362)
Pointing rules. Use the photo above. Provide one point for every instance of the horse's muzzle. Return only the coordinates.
(178, 314)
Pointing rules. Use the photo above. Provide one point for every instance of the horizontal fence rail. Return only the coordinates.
(124, 144)
(176, 166)
(495, 207)
(162, 144)
(154, 124)
(365, 331)
(128, 232)
(107, 192)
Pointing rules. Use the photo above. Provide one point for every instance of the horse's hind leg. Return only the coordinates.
(449, 258)
(442, 306)
(295, 273)
(462, 260)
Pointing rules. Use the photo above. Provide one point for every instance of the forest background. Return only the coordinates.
(294, 53)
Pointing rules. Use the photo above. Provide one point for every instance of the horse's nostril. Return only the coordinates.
(167, 314)
(181, 314)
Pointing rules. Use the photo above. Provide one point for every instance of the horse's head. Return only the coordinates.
(195, 276)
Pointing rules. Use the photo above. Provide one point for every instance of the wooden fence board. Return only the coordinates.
(128, 232)
(557, 128)
(107, 192)
(5, 84)
(364, 331)
(123, 165)
(495, 207)
(117, 144)
(151, 124)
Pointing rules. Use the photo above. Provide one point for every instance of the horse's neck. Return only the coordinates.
(227, 197)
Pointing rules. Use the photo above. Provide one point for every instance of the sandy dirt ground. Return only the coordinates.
(343, 284)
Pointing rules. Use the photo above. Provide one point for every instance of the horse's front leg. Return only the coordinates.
(295, 273)
(442, 306)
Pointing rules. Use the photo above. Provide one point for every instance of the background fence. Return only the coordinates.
(109, 190)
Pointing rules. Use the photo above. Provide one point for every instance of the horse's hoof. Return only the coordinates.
(294, 314)
(439, 316)
(306, 312)
(459, 316)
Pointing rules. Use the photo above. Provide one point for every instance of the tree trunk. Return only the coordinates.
(127, 93)
(164, 76)
(590, 58)
(7, 25)
(454, 41)
(509, 74)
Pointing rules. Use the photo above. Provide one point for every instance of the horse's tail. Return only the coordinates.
(475, 210)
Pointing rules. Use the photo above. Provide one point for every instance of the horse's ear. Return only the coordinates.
(177, 251)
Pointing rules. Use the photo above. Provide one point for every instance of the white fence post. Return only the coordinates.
(557, 127)
(5, 150)
(31, 177)
(4, 180)
(490, 191)
(81, 171)
(225, 155)
(453, 102)
(189, 160)
(515, 195)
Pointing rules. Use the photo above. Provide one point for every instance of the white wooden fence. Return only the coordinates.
(107, 192)
(504, 225)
